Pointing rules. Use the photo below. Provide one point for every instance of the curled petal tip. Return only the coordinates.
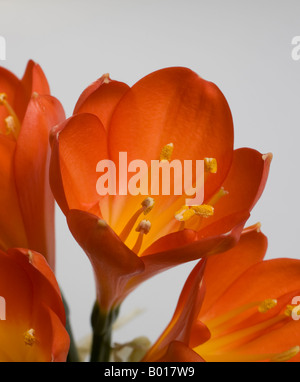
(105, 78)
(101, 223)
(255, 227)
(268, 156)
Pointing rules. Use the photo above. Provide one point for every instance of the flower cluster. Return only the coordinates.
(235, 306)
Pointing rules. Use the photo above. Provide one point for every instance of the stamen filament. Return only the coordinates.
(143, 228)
(29, 337)
(12, 121)
(147, 206)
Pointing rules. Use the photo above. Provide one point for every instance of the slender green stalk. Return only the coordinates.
(102, 330)
(73, 353)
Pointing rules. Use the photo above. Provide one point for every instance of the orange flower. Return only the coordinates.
(27, 112)
(33, 329)
(236, 307)
(172, 105)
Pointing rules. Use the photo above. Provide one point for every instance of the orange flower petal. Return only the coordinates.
(174, 105)
(245, 183)
(112, 261)
(101, 98)
(179, 352)
(266, 279)
(221, 270)
(32, 158)
(12, 230)
(77, 146)
(43, 280)
(274, 342)
(184, 316)
(8, 85)
(171, 255)
(32, 331)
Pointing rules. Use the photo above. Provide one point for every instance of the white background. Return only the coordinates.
(242, 46)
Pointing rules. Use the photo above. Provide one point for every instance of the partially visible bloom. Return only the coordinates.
(169, 114)
(235, 307)
(27, 112)
(33, 329)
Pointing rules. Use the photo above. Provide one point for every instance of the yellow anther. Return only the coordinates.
(166, 152)
(12, 122)
(184, 214)
(143, 227)
(29, 337)
(286, 355)
(30, 256)
(3, 98)
(266, 305)
(204, 210)
(10, 125)
(147, 205)
(290, 308)
(210, 165)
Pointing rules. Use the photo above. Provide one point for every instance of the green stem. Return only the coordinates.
(102, 330)
(73, 353)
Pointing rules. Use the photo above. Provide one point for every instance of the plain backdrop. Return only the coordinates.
(244, 47)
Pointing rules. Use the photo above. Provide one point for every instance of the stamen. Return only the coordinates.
(3, 98)
(286, 355)
(184, 214)
(266, 305)
(30, 256)
(29, 337)
(147, 205)
(166, 152)
(204, 210)
(10, 126)
(143, 228)
(289, 310)
(210, 165)
(217, 196)
(12, 122)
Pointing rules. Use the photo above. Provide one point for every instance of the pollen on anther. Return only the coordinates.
(266, 305)
(10, 124)
(29, 337)
(184, 214)
(3, 98)
(204, 210)
(147, 205)
(143, 227)
(166, 152)
(210, 165)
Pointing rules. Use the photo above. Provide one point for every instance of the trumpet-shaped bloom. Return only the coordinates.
(169, 114)
(236, 307)
(27, 112)
(33, 318)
